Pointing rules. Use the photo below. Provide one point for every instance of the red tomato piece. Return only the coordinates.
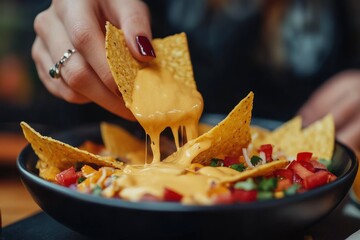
(285, 174)
(172, 196)
(317, 179)
(224, 199)
(241, 195)
(300, 170)
(304, 156)
(147, 197)
(308, 165)
(297, 179)
(268, 150)
(332, 177)
(228, 161)
(67, 177)
(283, 184)
(317, 164)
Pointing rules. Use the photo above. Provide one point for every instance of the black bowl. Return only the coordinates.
(113, 218)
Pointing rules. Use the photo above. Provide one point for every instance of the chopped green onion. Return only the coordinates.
(215, 162)
(97, 190)
(264, 195)
(267, 184)
(292, 190)
(238, 167)
(81, 179)
(247, 185)
(255, 160)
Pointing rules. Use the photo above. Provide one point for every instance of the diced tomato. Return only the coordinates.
(224, 199)
(241, 195)
(268, 150)
(297, 179)
(67, 177)
(332, 177)
(300, 170)
(307, 165)
(285, 174)
(317, 179)
(283, 184)
(303, 156)
(317, 164)
(149, 198)
(228, 161)
(172, 196)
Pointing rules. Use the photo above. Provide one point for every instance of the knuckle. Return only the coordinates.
(39, 22)
(80, 35)
(76, 78)
(34, 53)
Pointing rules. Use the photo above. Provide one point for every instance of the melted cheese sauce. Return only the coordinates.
(159, 101)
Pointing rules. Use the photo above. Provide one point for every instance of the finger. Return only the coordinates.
(319, 103)
(133, 18)
(78, 75)
(81, 23)
(350, 134)
(346, 108)
(58, 88)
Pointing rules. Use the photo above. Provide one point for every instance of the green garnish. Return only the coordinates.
(238, 167)
(81, 179)
(97, 190)
(292, 190)
(215, 162)
(247, 185)
(255, 160)
(267, 184)
(264, 195)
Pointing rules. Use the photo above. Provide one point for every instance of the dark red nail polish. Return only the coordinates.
(145, 47)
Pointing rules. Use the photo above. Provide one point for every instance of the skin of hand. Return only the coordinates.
(80, 25)
(340, 95)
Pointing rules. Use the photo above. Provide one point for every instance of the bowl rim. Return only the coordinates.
(25, 174)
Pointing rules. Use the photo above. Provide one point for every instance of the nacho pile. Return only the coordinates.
(208, 165)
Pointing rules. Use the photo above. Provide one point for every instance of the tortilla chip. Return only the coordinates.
(258, 135)
(290, 139)
(172, 53)
(55, 156)
(231, 175)
(264, 170)
(120, 143)
(319, 137)
(204, 127)
(227, 138)
(122, 64)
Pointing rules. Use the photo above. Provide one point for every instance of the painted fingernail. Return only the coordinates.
(145, 47)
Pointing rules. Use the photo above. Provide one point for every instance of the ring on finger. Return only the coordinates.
(54, 71)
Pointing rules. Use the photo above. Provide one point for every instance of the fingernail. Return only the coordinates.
(145, 47)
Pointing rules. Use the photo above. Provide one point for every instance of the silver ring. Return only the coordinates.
(54, 71)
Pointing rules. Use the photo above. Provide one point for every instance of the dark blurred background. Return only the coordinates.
(280, 49)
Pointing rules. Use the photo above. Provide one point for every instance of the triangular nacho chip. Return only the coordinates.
(290, 139)
(172, 53)
(122, 64)
(227, 138)
(319, 137)
(120, 143)
(55, 156)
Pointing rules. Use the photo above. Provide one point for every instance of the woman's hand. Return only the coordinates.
(340, 96)
(80, 25)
